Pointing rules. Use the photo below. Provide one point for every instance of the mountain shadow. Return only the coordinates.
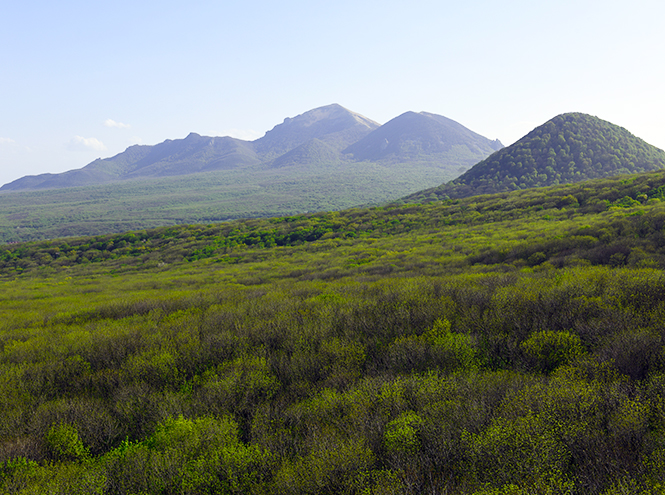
(313, 153)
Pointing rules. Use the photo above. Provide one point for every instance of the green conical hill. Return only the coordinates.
(570, 148)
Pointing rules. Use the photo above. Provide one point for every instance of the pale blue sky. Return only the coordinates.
(81, 79)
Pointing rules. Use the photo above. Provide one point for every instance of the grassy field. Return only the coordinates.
(505, 344)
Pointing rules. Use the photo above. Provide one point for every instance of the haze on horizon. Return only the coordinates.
(83, 80)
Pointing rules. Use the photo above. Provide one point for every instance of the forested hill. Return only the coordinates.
(570, 148)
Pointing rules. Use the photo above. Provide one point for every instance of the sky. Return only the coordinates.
(81, 80)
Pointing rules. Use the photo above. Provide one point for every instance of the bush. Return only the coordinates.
(438, 348)
(401, 435)
(64, 444)
(548, 350)
(336, 466)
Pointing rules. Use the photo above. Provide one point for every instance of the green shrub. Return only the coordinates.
(334, 466)
(526, 451)
(547, 350)
(437, 348)
(402, 433)
(64, 444)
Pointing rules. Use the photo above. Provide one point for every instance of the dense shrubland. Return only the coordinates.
(497, 345)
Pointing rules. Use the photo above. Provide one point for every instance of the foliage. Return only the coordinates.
(206, 197)
(498, 344)
(402, 433)
(64, 443)
(548, 350)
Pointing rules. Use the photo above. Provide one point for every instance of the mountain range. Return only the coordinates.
(326, 159)
(322, 136)
(569, 148)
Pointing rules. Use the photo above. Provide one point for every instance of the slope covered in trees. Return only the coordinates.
(569, 148)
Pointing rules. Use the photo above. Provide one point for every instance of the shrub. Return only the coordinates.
(63, 443)
(336, 466)
(437, 348)
(547, 350)
(401, 435)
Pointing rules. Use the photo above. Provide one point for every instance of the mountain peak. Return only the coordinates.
(332, 112)
(332, 124)
(412, 135)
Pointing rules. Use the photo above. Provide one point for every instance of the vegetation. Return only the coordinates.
(204, 198)
(503, 344)
(303, 165)
(570, 148)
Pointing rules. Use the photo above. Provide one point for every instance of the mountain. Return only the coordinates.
(307, 163)
(332, 124)
(193, 154)
(424, 136)
(569, 148)
(323, 136)
(178, 157)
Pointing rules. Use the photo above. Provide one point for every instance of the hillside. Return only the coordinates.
(311, 153)
(191, 155)
(309, 183)
(569, 148)
(508, 343)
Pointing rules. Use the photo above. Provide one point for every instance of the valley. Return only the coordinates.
(326, 159)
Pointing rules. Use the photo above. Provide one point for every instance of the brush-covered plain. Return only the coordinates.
(206, 197)
(504, 344)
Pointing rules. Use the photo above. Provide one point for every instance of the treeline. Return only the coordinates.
(204, 198)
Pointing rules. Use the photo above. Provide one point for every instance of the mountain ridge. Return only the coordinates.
(335, 129)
